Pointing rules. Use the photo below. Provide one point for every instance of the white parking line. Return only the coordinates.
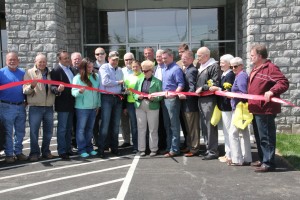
(62, 178)
(124, 188)
(79, 189)
(58, 168)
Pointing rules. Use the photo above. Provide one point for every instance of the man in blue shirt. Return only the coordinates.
(173, 80)
(12, 106)
(111, 105)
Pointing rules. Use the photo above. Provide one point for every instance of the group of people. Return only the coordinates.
(148, 121)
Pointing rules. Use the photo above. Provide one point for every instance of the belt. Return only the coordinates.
(12, 103)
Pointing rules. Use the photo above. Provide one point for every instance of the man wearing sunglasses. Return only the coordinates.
(100, 58)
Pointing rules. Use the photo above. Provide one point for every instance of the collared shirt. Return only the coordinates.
(126, 72)
(172, 77)
(146, 85)
(208, 63)
(159, 71)
(110, 77)
(68, 72)
(226, 72)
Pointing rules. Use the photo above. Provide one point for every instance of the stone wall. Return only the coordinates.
(73, 25)
(276, 23)
(36, 26)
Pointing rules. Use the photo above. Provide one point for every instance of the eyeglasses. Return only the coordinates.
(97, 54)
(236, 66)
(145, 71)
(130, 59)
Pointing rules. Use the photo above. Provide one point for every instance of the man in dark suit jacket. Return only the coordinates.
(64, 103)
(189, 106)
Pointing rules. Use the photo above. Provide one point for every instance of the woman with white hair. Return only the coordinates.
(147, 109)
(240, 151)
(223, 103)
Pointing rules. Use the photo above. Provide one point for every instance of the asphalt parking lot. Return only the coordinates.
(132, 177)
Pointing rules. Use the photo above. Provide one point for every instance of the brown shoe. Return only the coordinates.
(9, 159)
(21, 156)
(256, 164)
(48, 156)
(170, 154)
(185, 150)
(263, 168)
(189, 154)
(33, 158)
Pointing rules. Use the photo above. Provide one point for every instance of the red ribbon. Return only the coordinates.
(68, 85)
(155, 94)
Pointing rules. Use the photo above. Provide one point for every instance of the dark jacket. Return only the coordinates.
(190, 104)
(211, 72)
(224, 102)
(64, 101)
(268, 77)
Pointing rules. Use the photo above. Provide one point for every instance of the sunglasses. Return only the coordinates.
(97, 54)
(128, 59)
(145, 71)
(236, 66)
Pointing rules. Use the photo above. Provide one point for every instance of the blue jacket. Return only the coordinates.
(88, 99)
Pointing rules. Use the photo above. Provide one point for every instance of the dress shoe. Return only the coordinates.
(9, 159)
(125, 144)
(101, 154)
(64, 156)
(48, 156)
(170, 154)
(153, 153)
(263, 168)
(189, 154)
(21, 156)
(115, 152)
(203, 154)
(185, 150)
(135, 151)
(210, 157)
(256, 164)
(33, 158)
(72, 153)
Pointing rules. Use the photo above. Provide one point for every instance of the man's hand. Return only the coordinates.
(268, 96)
(61, 88)
(120, 82)
(33, 84)
(214, 88)
(199, 90)
(181, 96)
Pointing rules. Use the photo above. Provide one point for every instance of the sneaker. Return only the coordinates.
(153, 154)
(48, 156)
(21, 156)
(84, 155)
(142, 153)
(33, 158)
(9, 159)
(93, 153)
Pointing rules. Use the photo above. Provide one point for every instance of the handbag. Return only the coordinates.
(216, 116)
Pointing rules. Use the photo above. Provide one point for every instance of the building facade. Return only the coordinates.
(225, 26)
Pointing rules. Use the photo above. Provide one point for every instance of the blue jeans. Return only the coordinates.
(37, 114)
(111, 109)
(64, 132)
(13, 118)
(171, 111)
(133, 124)
(265, 134)
(84, 129)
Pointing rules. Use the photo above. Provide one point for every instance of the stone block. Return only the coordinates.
(291, 36)
(40, 26)
(296, 10)
(275, 3)
(20, 17)
(37, 47)
(272, 12)
(283, 11)
(253, 13)
(295, 27)
(23, 47)
(50, 48)
(296, 128)
(50, 25)
(281, 128)
(296, 44)
(283, 61)
(290, 19)
(23, 34)
(284, 28)
(295, 62)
